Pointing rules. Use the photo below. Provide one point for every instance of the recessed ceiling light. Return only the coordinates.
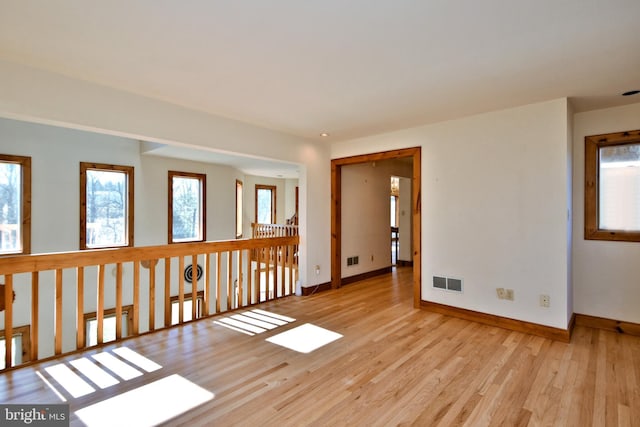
(324, 134)
(631, 92)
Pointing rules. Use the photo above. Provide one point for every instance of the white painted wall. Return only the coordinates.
(405, 221)
(285, 199)
(56, 155)
(494, 207)
(44, 97)
(605, 274)
(366, 222)
(570, 211)
(290, 186)
(365, 217)
(152, 191)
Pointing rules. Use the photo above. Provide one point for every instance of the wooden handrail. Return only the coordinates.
(249, 279)
(273, 230)
(63, 260)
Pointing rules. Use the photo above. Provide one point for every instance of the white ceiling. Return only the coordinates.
(351, 68)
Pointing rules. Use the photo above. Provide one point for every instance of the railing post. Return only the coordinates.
(80, 333)
(229, 281)
(240, 284)
(259, 276)
(136, 298)
(8, 319)
(249, 278)
(206, 273)
(194, 286)
(58, 315)
(118, 300)
(167, 292)
(180, 289)
(100, 304)
(282, 252)
(267, 274)
(35, 288)
(218, 281)
(152, 294)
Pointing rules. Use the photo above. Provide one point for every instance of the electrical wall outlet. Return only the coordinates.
(545, 301)
(503, 293)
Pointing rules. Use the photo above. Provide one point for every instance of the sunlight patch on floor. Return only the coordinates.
(68, 379)
(233, 328)
(137, 359)
(97, 375)
(149, 405)
(305, 338)
(51, 387)
(117, 366)
(274, 315)
(253, 322)
(241, 325)
(76, 376)
(270, 319)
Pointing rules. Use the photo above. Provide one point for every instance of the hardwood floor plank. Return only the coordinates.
(600, 392)
(393, 365)
(452, 401)
(586, 353)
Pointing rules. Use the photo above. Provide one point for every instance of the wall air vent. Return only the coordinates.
(439, 282)
(454, 284)
(188, 273)
(447, 283)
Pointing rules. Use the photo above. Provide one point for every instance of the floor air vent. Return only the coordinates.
(447, 283)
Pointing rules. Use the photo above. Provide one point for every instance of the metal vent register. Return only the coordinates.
(189, 273)
(447, 283)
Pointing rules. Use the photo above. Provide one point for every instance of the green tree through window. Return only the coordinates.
(265, 204)
(106, 206)
(186, 207)
(15, 196)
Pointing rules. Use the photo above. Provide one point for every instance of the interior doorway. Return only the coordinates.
(400, 219)
(415, 212)
(394, 215)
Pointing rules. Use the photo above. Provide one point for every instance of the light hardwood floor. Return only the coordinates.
(393, 365)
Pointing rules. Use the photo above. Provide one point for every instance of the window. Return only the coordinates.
(395, 208)
(612, 186)
(106, 206)
(15, 205)
(239, 224)
(394, 211)
(109, 325)
(187, 307)
(265, 204)
(20, 346)
(187, 207)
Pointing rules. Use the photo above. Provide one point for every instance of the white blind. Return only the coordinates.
(619, 188)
